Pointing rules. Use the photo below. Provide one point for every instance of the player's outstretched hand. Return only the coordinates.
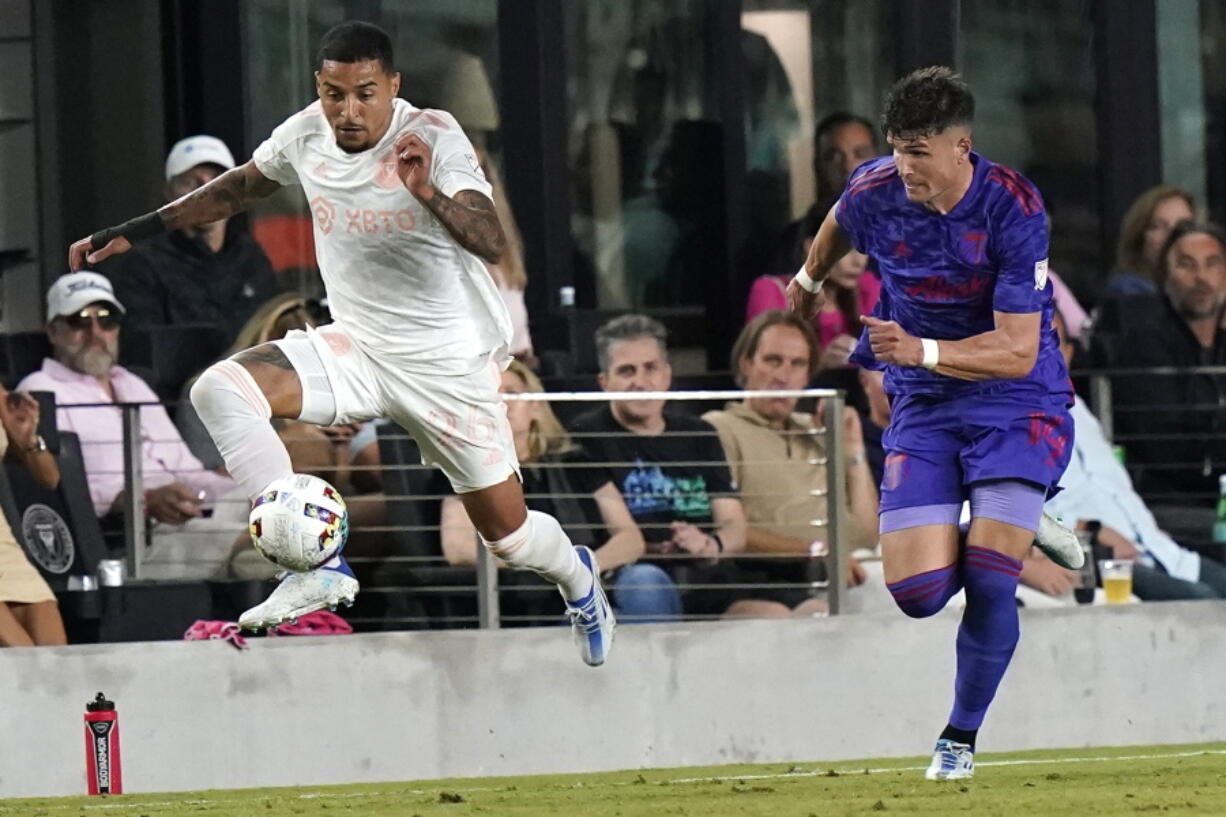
(891, 343)
(803, 302)
(413, 157)
(83, 252)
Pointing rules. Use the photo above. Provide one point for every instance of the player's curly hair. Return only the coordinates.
(926, 102)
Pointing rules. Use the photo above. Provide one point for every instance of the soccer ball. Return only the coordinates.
(299, 522)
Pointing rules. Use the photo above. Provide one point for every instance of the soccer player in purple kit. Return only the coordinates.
(979, 391)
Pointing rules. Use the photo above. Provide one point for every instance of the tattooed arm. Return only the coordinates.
(228, 194)
(471, 219)
(469, 216)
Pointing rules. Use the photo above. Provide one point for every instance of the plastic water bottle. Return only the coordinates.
(102, 747)
(1219, 526)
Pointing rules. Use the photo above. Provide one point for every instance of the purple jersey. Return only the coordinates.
(944, 275)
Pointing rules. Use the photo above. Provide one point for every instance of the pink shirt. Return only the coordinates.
(166, 458)
(1075, 317)
(769, 292)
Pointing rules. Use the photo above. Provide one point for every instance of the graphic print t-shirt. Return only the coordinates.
(943, 276)
(397, 282)
(664, 479)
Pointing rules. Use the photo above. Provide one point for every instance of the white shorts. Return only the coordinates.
(459, 421)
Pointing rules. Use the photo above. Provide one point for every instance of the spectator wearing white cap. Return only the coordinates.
(213, 274)
(83, 322)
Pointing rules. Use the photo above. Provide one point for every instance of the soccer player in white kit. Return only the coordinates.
(403, 217)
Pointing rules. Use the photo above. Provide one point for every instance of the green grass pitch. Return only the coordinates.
(1178, 780)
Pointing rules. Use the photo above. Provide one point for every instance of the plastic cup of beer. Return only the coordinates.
(1117, 580)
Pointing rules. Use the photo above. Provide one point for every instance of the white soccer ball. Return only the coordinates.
(299, 522)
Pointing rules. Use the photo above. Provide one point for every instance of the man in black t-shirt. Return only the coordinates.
(669, 466)
(216, 274)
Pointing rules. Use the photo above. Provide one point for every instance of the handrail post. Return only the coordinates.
(133, 490)
(1100, 394)
(836, 504)
(488, 615)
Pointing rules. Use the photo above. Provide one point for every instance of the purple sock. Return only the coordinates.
(988, 634)
(925, 594)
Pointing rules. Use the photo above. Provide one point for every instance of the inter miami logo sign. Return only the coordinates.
(47, 539)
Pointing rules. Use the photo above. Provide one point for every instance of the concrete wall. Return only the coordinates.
(425, 705)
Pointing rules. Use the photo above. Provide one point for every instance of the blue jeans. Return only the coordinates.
(644, 593)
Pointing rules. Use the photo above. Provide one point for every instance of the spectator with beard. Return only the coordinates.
(83, 321)
(1172, 425)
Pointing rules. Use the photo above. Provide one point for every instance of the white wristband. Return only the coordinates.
(806, 283)
(932, 353)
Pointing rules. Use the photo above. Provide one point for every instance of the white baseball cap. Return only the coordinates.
(73, 292)
(197, 150)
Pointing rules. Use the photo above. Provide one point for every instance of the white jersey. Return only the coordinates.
(397, 282)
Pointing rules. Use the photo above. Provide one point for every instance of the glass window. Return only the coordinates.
(1031, 66)
(805, 60)
(447, 57)
(1183, 89)
(645, 148)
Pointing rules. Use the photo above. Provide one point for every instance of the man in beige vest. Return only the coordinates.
(776, 455)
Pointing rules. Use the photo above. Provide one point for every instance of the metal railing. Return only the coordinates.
(830, 526)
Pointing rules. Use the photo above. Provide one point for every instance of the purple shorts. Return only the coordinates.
(936, 448)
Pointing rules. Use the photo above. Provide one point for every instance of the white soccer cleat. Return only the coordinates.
(591, 619)
(1059, 544)
(302, 593)
(951, 761)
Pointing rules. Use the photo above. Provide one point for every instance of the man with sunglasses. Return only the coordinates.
(83, 321)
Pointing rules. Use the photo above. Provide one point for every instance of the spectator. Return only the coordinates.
(510, 273)
(851, 290)
(587, 505)
(29, 613)
(214, 274)
(84, 318)
(1097, 489)
(777, 457)
(667, 464)
(842, 142)
(1179, 419)
(1143, 234)
(874, 420)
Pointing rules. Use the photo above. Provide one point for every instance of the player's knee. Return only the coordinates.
(509, 544)
(227, 389)
(926, 594)
(921, 608)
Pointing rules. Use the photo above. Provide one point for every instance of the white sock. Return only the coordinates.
(236, 413)
(540, 545)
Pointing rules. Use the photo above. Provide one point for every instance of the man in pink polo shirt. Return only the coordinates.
(83, 319)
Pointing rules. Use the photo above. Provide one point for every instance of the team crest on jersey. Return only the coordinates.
(385, 172)
(973, 249)
(1040, 274)
(324, 212)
